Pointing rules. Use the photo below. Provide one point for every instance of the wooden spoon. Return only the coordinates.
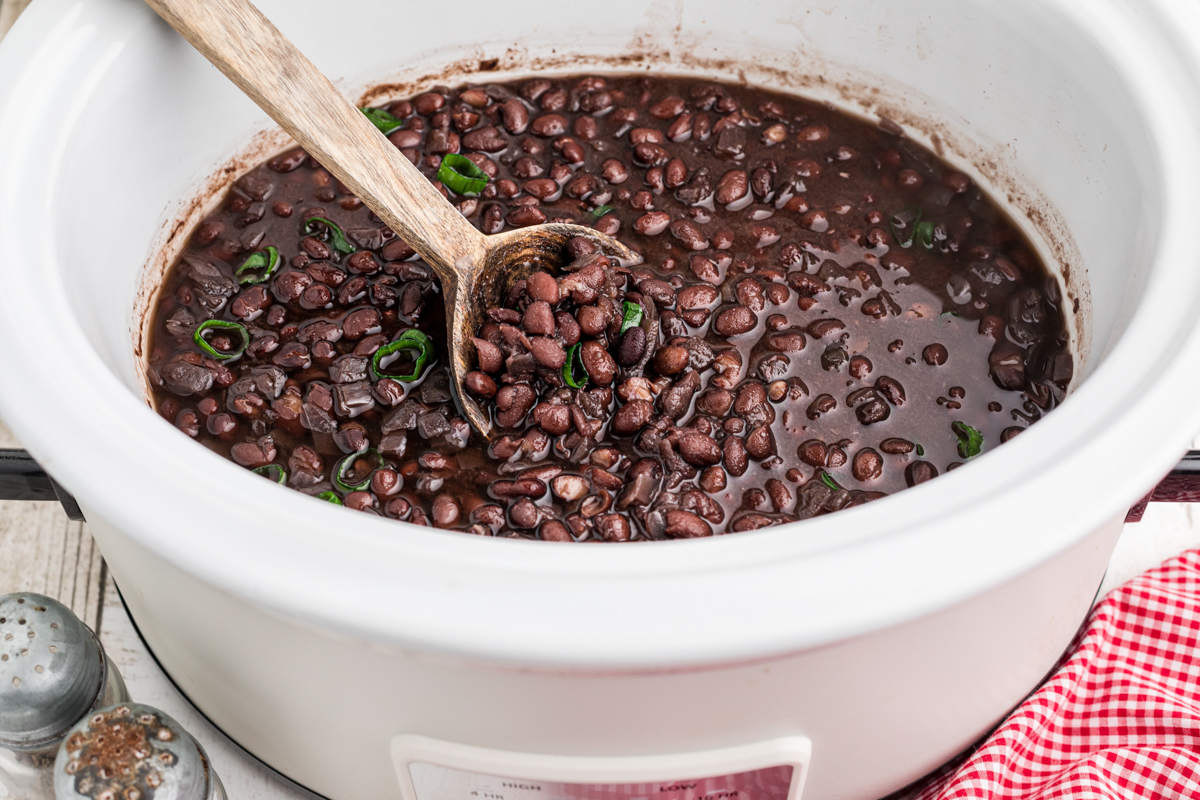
(476, 271)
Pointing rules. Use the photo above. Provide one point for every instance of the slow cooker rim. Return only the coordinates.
(721, 554)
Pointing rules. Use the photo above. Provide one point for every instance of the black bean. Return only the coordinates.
(896, 447)
(682, 524)
(631, 346)
(822, 404)
(1010, 433)
(671, 360)
(689, 234)
(714, 402)
(675, 401)
(480, 385)
(539, 319)
(732, 186)
(489, 356)
(554, 531)
(813, 452)
(613, 528)
(868, 465)
(599, 364)
(919, 472)
(547, 352)
(698, 449)
(760, 442)
(935, 354)
(735, 320)
(524, 514)
(734, 456)
(891, 389)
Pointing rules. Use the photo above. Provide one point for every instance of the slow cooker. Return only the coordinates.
(841, 657)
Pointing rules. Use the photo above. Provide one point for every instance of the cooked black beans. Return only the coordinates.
(815, 340)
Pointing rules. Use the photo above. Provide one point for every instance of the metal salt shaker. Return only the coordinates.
(53, 672)
(130, 751)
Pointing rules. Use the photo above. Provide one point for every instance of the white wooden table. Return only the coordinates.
(42, 551)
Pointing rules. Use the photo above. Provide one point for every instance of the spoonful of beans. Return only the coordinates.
(476, 271)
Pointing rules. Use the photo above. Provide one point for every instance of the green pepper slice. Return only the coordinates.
(632, 315)
(574, 372)
(340, 479)
(336, 237)
(273, 472)
(265, 260)
(220, 325)
(381, 119)
(460, 175)
(411, 341)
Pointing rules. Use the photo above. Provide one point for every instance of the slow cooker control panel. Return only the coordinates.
(432, 769)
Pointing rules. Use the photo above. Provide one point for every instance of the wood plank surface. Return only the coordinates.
(42, 551)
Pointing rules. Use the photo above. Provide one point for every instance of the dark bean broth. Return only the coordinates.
(818, 345)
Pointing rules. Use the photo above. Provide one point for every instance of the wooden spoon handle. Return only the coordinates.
(243, 44)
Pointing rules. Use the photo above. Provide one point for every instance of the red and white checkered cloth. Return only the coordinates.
(1119, 719)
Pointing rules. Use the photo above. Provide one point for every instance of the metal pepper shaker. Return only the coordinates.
(53, 672)
(130, 751)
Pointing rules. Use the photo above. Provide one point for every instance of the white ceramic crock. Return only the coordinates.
(890, 636)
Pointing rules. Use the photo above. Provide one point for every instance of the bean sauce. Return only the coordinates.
(840, 315)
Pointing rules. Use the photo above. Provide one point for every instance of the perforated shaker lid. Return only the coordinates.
(131, 751)
(52, 670)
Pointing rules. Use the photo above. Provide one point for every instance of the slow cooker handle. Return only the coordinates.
(1182, 485)
(22, 479)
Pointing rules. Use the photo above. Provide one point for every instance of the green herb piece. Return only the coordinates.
(949, 314)
(923, 233)
(828, 480)
(633, 315)
(601, 211)
(920, 450)
(220, 325)
(574, 372)
(272, 471)
(904, 225)
(382, 120)
(410, 341)
(336, 237)
(341, 475)
(265, 260)
(460, 175)
(330, 497)
(970, 441)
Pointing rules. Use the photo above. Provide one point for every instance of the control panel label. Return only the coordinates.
(433, 782)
